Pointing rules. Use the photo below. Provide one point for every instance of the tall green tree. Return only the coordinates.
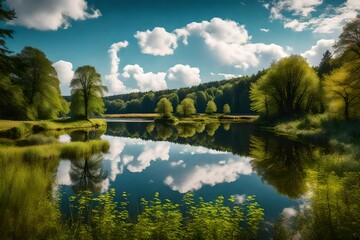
(12, 102)
(210, 107)
(342, 92)
(148, 103)
(165, 108)
(288, 88)
(226, 109)
(5, 60)
(87, 92)
(40, 84)
(201, 101)
(349, 41)
(325, 66)
(186, 108)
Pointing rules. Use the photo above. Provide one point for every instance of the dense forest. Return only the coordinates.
(234, 92)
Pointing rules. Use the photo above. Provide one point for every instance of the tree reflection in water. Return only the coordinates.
(282, 163)
(87, 174)
(164, 131)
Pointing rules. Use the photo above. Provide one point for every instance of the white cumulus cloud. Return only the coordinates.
(157, 42)
(209, 174)
(226, 75)
(50, 14)
(65, 73)
(264, 29)
(183, 76)
(229, 42)
(152, 151)
(116, 86)
(315, 53)
(297, 7)
(145, 80)
(332, 20)
(296, 26)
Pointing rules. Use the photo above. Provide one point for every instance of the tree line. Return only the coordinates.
(234, 92)
(29, 86)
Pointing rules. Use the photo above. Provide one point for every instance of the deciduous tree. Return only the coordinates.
(210, 107)
(87, 92)
(186, 108)
(288, 88)
(226, 109)
(342, 91)
(165, 108)
(38, 79)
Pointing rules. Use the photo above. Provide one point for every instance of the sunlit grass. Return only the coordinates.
(18, 129)
(27, 208)
(54, 151)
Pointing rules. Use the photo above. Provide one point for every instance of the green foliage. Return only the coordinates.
(234, 92)
(5, 61)
(87, 93)
(342, 86)
(29, 211)
(102, 218)
(210, 107)
(164, 107)
(186, 108)
(38, 79)
(343, 92)
(334, 208)
(281, 163)
(72, 150)
(226, 109)
(147, 102)
(348, 42)
(288, 88)
(158, 220)
(326, 65)
(12, 101)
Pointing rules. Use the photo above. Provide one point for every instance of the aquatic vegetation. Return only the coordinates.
(103, 218)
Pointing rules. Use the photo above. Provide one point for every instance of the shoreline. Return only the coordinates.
(15, 129)
(215, 118)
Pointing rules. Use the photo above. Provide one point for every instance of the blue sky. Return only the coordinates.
(151, 45)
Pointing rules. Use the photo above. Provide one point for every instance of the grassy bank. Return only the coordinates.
(320, 128)
(18, 129)
(72, 150)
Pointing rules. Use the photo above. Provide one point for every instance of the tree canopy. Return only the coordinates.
(165, 108)
(5, 61)
(87, 92)
(342, 92)
(288, 88)
(210, 107)
(186, 108)
(40, 85)
(226, 109)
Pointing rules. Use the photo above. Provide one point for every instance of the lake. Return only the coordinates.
(206, 159)
(306, 189)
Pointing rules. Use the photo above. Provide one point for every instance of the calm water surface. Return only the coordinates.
(208, 160)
